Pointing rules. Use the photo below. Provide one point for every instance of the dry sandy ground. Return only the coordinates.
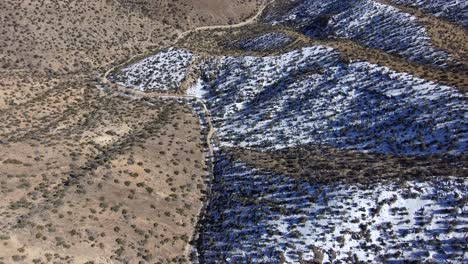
(103, 179)
(79, 36)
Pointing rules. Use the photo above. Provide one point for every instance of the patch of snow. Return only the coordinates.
(164, 71)
(197, 90)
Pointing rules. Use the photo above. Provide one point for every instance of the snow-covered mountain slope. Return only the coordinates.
(453, 10)
(265, 42)
(164, 71)
(367, 22)
(260, 217)
(311, 96)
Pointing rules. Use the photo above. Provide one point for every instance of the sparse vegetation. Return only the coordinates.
(315, 131)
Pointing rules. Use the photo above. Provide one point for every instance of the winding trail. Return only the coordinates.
(240, 24)
(197, 29)
(211, 131)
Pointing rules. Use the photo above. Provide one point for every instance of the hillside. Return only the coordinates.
(449, 10)
(340, 133)
(76, 36)
(215, 131)
(263, 217)
(90, 176)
